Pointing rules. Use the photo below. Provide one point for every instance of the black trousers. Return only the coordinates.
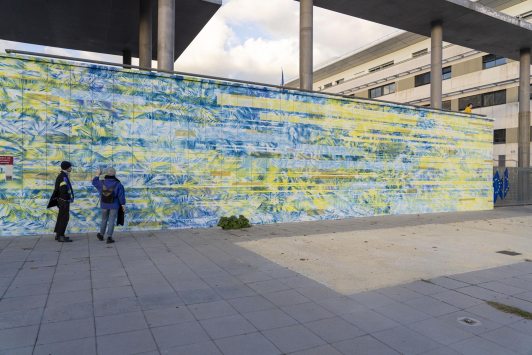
(62, 218)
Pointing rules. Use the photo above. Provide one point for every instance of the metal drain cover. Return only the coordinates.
(507, 252)
(469, 321)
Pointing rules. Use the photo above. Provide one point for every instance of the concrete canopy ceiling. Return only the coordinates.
(465, 23)
(101, 26)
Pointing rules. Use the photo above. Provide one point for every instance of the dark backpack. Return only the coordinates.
(107, 194)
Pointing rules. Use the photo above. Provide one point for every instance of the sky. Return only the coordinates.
(253, 39)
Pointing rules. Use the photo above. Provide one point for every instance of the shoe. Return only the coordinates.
(100, 237)
(56, 237)
(110, 240)
(63, 239)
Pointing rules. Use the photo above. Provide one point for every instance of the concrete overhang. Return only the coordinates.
(101, 26)
(465, 23)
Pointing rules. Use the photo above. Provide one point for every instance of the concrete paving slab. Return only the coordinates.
(270, 319)
(229, 326)
(293, 338)
(172, 336)
(168, 316)
(370, 321)
(488, 312)
(205, 348)
(251, 304)
(254, 343)
(334, 330)
(511, 339)
(85, 346)
(120, 323)
(18, 337)
(66, 331)
(307, 312)
(402, 313)
(480, 346)
(127, 343)
(500, 287)
(365, 345)
(440, 331)
(212, 310)
(457, 299)
(431, 306)
(406, 341)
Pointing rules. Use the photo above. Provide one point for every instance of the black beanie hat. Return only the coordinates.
(65, 165)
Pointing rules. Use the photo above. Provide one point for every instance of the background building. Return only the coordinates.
(397, 68)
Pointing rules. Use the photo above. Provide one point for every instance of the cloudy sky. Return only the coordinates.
(253, 39)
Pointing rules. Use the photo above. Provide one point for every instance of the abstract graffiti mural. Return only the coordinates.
(191, 150)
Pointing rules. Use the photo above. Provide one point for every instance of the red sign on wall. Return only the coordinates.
(4, 160)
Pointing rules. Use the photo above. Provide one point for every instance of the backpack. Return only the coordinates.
(107, 194)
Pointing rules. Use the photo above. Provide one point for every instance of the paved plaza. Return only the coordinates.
(209, 291)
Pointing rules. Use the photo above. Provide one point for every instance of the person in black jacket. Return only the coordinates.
(62, 197)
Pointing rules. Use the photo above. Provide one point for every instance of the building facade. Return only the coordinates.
(397, 69)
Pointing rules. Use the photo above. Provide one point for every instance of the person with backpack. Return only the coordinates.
(62, 197)
(113, 198)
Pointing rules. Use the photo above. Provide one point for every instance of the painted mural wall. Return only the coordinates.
(190, 150)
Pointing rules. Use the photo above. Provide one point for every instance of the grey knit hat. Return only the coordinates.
(110, 171)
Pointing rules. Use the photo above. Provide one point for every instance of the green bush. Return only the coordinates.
(234, 223)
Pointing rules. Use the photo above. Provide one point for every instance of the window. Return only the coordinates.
(492, 60)
(446, 105)
(420, 53)
(494, 98)
(476, 100)
(382, 90)
(483, 100)
(446, 73)
(499, 136)
(502, 161)
(379, 67)
(327, 85)
(422, 79)
(340, 81)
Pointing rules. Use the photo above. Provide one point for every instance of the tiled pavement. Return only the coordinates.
(195, 292)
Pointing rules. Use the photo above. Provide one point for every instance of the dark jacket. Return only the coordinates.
(121, 217)
(118, 192)
(62, 190)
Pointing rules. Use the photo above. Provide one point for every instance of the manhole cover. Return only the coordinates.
(469, 321)
(507, 252)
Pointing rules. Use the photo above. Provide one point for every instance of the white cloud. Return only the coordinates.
(223, 49)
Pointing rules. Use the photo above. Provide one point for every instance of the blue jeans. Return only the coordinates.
(108, 215)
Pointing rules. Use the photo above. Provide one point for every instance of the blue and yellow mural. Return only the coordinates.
(191, 150)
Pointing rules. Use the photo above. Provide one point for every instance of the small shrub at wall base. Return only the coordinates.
(234, 223)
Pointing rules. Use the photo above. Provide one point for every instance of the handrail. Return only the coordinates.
(129, 66)
(515, 161)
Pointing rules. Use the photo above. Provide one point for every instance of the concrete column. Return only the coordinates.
(145, 34)
(436, 58)
(306, 8)
(166, 35)
(126, 57)
(524, 123)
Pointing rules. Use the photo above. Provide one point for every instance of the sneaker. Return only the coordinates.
(110, 240)
(100, 237)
